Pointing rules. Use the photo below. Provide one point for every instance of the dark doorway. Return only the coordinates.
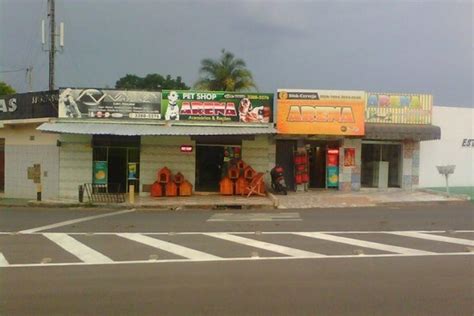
(117, 169)
(372, 154)
(284, 158)
(209, 163)
(317, 166)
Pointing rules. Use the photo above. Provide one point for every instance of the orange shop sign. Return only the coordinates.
(323, 112)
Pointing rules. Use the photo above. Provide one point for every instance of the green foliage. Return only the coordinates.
(226, 74)
(6, 89)
(150, 82)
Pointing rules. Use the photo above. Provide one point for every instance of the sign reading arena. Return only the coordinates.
(178, 105)
(322, 112)
(109, 104)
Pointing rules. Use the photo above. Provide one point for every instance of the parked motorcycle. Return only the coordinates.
(278, 180)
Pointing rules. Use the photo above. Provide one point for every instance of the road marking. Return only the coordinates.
(76, 248)
(3, 260)
(254, 217)
(365, 244)
(21, 265)
(452, 240)
(73, 221)
(265, 245)
(169, 247)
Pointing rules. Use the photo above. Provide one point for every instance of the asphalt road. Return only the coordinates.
(397, 260)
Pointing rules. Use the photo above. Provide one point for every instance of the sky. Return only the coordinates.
(376, 45)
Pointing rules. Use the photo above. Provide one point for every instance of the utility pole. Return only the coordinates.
(52, 40)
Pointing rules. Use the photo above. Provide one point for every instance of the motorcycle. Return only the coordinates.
(278, 180)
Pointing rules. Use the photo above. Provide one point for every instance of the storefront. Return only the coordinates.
(122, 138)
(395, 126)
(319, 138)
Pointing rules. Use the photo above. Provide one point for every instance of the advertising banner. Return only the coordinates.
(332, 177)
(217, 106)
(29, 105)
(132, 171)
(109, 104)
(320, 112)
(100, 172)
(392, 108)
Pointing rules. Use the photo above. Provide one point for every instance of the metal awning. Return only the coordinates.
(401, 131)
(125, 129)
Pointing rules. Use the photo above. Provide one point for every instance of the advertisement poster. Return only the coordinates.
(100, 172)
(321, 112)
(332, 177)
(29, 105)
(177, 105)
(349, 157)
(389, 108)
(109, 104)
(132, 171)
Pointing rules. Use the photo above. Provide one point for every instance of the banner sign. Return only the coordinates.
(109, 104)
(100, 170)
(29, 105)
(398, 108)
(320, 112)
(217, 106)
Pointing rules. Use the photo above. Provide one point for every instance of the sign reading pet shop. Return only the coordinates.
(320, 112)
(109, 104)
(217, 106)
(391, 108)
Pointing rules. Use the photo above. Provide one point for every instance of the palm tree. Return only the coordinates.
(226, 74)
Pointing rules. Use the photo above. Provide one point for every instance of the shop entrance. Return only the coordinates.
(209, 164)
(323, 157)
(381, 164)
(116, 162)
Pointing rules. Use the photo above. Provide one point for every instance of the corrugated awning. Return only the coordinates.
(124, 129)
(402, 131)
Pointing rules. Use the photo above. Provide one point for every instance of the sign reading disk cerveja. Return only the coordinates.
(109, 104)
(320, 112)
(179, 105)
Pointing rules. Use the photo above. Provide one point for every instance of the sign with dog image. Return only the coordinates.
(179, 105)
(109, 104)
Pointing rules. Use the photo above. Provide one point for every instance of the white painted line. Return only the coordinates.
(3, 260)
(169, 247)
(363, 243)
(265, 245)
(254, 217)
(73, 221)
(78, 249)
(31, 265)
(452, 240)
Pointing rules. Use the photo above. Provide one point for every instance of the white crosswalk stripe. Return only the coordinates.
(452, 240)
(169, 247)
(3, 260)
(365, 244)
(76, 248)
(265, 245)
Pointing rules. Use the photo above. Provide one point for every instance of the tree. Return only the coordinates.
(6, 89)
(150, 82)
(226, 74)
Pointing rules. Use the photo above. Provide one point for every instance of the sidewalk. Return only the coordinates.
(294, 200)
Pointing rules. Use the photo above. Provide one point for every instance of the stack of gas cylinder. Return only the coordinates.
(301, 167)
(238, 179)
(168, 184)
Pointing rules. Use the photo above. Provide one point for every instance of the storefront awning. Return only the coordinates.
(401, 131)
(124, 129)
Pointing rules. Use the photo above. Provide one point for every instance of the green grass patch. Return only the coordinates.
(457, 190)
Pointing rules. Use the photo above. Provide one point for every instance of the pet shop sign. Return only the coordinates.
(216, 106)
(398, 108)
(109, 104)
(320, 112)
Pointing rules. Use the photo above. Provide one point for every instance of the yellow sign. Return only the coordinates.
(320, 112)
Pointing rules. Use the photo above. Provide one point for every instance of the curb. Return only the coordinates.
(464, 197)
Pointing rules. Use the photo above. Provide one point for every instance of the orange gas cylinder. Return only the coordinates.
(241, 185)
(226, 186)
(304, 178)
(298, 178)
(171, 189)
(185, 188)
(156, 189)
(164, 175)
(233, 172)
